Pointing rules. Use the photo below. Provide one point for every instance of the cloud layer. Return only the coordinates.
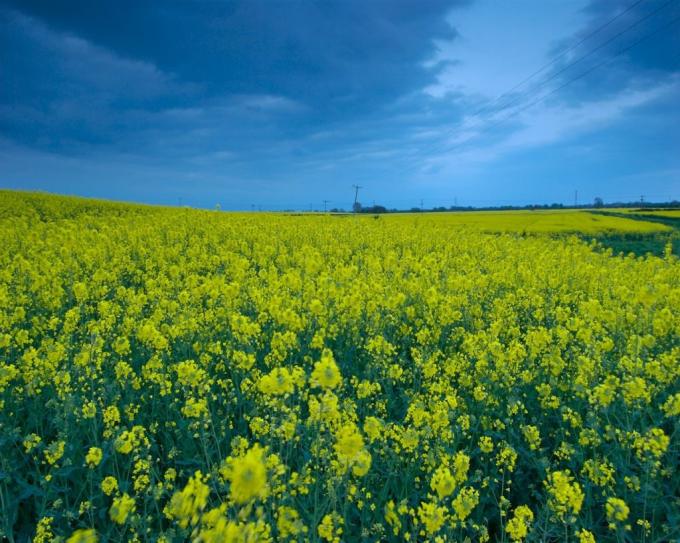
(285, 104)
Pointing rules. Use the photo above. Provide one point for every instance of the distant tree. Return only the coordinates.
(598, 202)
(374, 209)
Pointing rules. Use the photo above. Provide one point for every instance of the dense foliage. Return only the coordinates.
(174, 374)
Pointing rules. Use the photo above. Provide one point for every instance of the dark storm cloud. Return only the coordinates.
(60, 90)
(330, 54)
(196, 77)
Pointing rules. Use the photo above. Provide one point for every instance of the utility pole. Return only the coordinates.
(325, 202)
(356, 197)
(421, 204)
(642, 199)
(576, 198)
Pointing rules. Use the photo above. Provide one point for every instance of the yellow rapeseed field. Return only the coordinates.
(183, 375)
(541, 221)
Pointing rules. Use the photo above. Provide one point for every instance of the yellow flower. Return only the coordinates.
(109, 485)
(506, 458)
(121, 508)
(485, 444)
(348, 442)
(129, 441)
(349, 447)
(277, 382)
(518, 525)
(604, 393)
(187, 505)
(636, 390)
(83, 536)
(288, 522)
(111, 416)
(89, 410)
(195, 408)
(54, 452)
(330, 528)
(372, 428)
(43, 531)
(248, 476)
(461, 466)
(617, 511)
(141, 475)
(80, 291)
(93, 457)
(653, 444)
(392, 517)
(409, 439)
(432, 516)
(584, 536)
(565, 495)
(465, 502)
(672, 405)
(31, 442)
(326, 373)
(600, 473)
(532, 436)
(361, 463)
(443, 482)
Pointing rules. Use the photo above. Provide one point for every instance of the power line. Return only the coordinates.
(600, 64)
(578, 77)
(562, 54)
(604, 44)
(542, 83)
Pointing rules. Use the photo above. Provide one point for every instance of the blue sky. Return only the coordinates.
(285, 104)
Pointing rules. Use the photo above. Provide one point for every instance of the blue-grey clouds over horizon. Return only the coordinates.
(284, 104)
